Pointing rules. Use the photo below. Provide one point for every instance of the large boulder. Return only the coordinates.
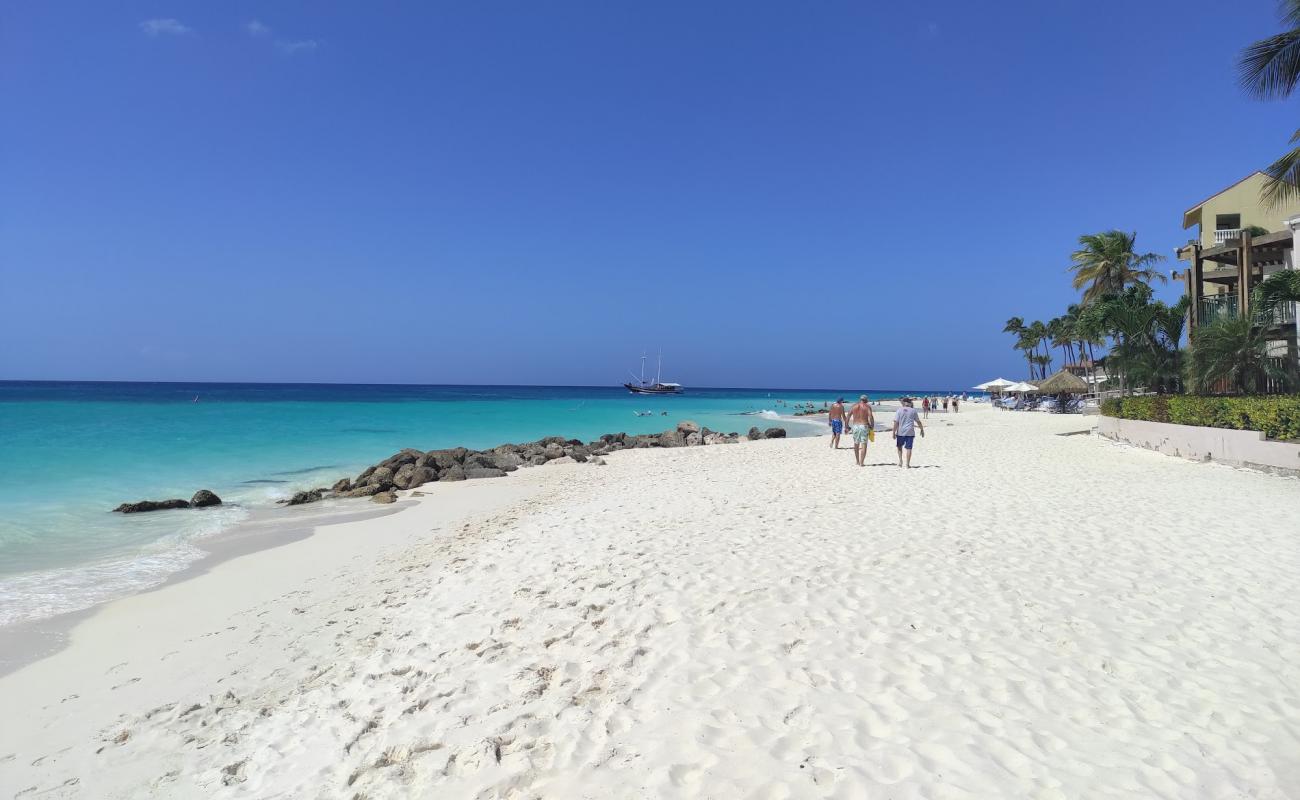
(410, 476)
(151, 505)
(384, 497)
(400, 459)
(441, 459)
(687, 426)
(364, 490)
(553, 450)
(301, 498)
(693, 438)
(381, 477)
(444, 459)
(483, 472)
(577, 453)
(403, 474)
(340, 486)
(537, 460)
(453, 473)
(364, 477)
(672, 439)
(508, 461)
(480, 461)
(774, 433)
(204, 498)
(754, 433)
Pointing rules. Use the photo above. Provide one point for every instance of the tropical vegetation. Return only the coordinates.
(1106, 263)
(1270, 70)
(1143, 336)
(1278, 416)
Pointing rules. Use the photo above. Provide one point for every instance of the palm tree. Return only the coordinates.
(1038, 333)
(1270, 70)
(1234, 350)
(1043, 363)
(1026, 344)
(1106, 263)
(1280, 287)
(1061, 332)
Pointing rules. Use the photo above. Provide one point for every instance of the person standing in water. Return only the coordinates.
(863, 421)
(836, 415)
(906, 421)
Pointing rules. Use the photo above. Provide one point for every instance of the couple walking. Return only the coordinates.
(863, 424)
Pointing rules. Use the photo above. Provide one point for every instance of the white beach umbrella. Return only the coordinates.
(995, 385)
(1021, 387)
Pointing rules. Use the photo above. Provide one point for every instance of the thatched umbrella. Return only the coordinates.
(1064, 383)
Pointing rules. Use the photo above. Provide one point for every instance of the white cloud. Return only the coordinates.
(256, 28)
(298, 46)
(164, 26)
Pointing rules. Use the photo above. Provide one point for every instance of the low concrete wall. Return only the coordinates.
(1237, 448)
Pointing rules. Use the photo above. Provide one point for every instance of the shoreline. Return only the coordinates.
(47, 631)
(30, 641)
(791, 624)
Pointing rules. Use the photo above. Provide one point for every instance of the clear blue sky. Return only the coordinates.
(775, 193)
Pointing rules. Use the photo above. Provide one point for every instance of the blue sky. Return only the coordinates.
(774, 193)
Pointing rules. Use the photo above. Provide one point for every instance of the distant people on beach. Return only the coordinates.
(863, 422)
(906, 422)
(925, 407)
(954, 404)
(836, 414)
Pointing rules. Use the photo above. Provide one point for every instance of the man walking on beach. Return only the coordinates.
(863, 422)
(836, 415)
(906, 421)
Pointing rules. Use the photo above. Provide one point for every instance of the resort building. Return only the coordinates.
(1241, 240)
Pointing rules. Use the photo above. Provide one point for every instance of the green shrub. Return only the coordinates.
(1278, 416)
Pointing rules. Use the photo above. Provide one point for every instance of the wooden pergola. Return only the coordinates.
(1238, 263)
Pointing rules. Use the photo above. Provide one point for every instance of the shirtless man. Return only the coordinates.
(862, 421)
(836, 415)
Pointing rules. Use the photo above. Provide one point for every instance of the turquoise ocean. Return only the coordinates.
(70, 452)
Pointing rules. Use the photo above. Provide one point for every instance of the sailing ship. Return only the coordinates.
(658, 387)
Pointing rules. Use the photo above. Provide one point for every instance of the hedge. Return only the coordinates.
(1278, 416)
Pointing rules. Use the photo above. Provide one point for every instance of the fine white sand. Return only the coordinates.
(1026, 615)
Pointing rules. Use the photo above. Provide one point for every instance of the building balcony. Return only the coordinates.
(1225, 235)
(1225, 306)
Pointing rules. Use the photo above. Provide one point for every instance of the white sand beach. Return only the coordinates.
(1026, 615)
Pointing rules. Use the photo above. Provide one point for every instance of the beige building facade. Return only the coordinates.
(1222, 216)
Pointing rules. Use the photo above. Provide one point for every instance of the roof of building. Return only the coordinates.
(1187, 222)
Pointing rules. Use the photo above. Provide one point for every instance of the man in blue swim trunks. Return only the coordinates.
(906, 421)
(837, 422)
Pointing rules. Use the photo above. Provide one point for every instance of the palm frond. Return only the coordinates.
(1270, 68)
(1283, 183)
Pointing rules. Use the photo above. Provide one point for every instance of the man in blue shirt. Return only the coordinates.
(906, 421)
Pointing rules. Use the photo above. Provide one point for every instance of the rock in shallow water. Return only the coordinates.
(302, 498)
(204, 498)
(385, 497)
(151, 505)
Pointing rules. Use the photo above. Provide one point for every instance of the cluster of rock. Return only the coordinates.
(201, 499)
(410, 469)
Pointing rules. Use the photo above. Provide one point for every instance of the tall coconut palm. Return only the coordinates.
(1038, 333)
(1270, 70)
(1106, 263)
